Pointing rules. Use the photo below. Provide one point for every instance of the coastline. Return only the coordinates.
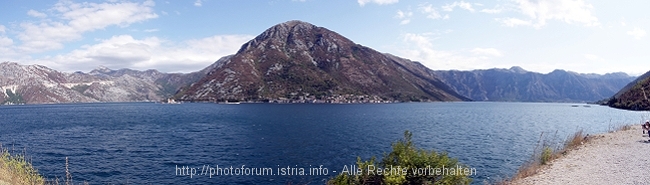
(619, 157)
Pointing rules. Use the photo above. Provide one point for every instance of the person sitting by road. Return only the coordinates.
(646, 127)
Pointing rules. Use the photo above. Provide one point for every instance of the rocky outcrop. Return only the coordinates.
(297, 61)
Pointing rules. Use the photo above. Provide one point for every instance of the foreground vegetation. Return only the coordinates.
(15, 169)
(404, 154)
(635, 98)
(545, 152)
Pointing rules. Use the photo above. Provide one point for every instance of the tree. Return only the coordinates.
(422, 167)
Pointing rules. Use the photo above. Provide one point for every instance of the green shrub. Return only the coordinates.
(362, 178)
(420, 167)
(546, 156)
(15, 169)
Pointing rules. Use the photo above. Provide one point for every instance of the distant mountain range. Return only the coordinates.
(36, 84)
(299, 62)
(634, 96)
(517, 84)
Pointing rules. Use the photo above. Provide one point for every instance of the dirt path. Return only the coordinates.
(613, 158)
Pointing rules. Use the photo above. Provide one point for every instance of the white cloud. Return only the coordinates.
(404, 16)
(492, 11)
(36, 14)
(150, 30)
(568, 11)
(423, 50)
(5, 42)
(379, 2)
(431, 12)
(462, 4)
(74, 19)
(512, 22)
(198, 3)
(124, 51)
(420, 47)
(637, 33)
(91, 16)
(487, 52)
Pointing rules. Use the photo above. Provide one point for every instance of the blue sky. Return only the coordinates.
(585, 36)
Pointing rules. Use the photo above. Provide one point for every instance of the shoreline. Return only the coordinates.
(620, 157)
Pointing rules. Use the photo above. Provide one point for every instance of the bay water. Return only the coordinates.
(149, 143)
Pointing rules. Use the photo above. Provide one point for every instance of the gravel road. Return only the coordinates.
(621, 157)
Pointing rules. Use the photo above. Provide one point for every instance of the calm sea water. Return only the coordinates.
(145, 142)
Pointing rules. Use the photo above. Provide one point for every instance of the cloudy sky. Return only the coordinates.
(586, 36)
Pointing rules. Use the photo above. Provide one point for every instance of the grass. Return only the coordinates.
(545, 153)
(620, 127)
(16, 169)
(624, 127)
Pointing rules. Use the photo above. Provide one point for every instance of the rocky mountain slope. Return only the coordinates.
(634, 96)
(517, 84)
(296, 62)
(36, 84)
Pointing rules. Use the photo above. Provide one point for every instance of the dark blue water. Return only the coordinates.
(145, 142)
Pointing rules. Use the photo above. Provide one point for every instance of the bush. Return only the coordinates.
(15, 169)
(546, 156)
(420, 167)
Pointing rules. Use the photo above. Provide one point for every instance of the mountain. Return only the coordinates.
(634, 96)
(36, 84)
(517, 84)
(167, 83)
(296, 62)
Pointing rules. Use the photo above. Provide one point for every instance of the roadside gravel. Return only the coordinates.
(621, 157)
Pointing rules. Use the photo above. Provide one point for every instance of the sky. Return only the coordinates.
(584, 36)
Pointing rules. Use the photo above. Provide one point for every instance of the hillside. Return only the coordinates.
(634, 96)
(36, 84)
(298, 62)
(517, 84)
